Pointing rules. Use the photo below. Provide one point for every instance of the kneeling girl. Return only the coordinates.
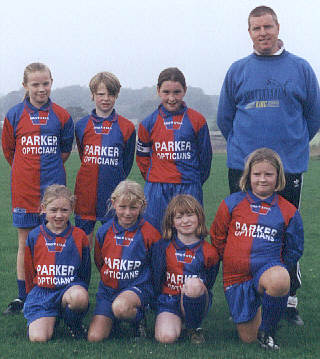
(122, 256)
(185, 268)
(57, 269)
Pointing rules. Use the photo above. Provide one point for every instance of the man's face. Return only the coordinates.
(264, 33)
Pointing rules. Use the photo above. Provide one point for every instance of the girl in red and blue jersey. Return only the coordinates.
(106, 143)
(259, 237)
(174, 150)
(57, 269)
(122, 253)
(37, 139)
(184, 270)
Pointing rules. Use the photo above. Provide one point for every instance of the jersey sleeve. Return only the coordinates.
(158, 265)
(211, 265)
(85, 268)
(219, 228)
(294, 241)
(8, 141)
(98, 258)
(144, 148)
(205, 152)
(311, 107)
(67, 135)
(227, 107)
(29, 270)
(128, 154)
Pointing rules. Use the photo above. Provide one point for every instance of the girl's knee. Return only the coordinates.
(193, 287)
(166, 337)
(276, 281)
(94, 336)
(39, 336)
(77, 298)
(123, 309)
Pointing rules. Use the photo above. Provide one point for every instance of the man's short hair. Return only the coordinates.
(262, 10)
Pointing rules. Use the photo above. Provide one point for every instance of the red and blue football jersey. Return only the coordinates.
(106, 148)
(57, 260)
(173, 262)
(249, 233)
(32, 142)
(174, 147)
(122, 256)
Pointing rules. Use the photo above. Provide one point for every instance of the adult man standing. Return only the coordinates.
(270, 99)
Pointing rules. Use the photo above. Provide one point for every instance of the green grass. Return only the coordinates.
(222, 341)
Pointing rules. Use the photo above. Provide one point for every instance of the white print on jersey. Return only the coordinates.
(172, 146)
(39, 145)
(121, 264)
(95, 150)
(101, 161)
(173, 150)
(255, 230)
(121, 268)
(176, 281)
(101, 155)
(44, 281)
(55, 269)
(42, 140)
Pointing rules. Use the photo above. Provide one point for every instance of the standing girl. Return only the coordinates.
(185, 268)
(37, 139)
(122, 255)
(57, 269)
(259, 237)
(106, 143)
(174, 151)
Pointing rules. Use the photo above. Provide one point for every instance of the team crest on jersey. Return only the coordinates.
(173, 123)
(124, 241)
(103, 129)
(39, 118)
(184, 256)
(260, 209)
(56, 245)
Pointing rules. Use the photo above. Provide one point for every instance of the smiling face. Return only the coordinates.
(127, 212)
(38, 87)
(264, 33)
(104, 101)
(186, 225)
(171, 94)
(263, 179)
(57, 214)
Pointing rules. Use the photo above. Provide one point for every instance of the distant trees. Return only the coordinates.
(131, 103)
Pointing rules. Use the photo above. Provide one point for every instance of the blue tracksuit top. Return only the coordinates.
(270, 101)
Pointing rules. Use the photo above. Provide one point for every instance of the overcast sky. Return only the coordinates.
(136, 39)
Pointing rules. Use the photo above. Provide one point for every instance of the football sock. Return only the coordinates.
(272, 311)
(139, 315)
(194, 308)
(72, 317)
(22, 295)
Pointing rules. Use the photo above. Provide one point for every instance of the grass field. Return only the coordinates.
(222, 341)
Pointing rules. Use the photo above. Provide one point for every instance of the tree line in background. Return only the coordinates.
(132, 103)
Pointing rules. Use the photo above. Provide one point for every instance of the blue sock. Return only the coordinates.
(272, 311)
(72, 317)
(22, 289)
(139, 315)
(194, 308)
